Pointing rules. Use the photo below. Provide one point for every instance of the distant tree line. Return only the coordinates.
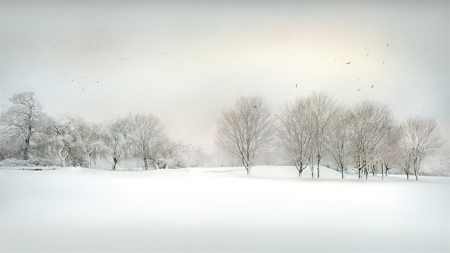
(365, 136)
(27, 133)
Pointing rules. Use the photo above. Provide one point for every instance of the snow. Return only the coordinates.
(220, 210)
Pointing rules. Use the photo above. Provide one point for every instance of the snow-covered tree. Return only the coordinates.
(114, 145)
(246, 130)
(20, 121)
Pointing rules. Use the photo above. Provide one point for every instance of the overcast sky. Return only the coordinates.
(186, 62)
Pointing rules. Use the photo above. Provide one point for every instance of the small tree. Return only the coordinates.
(246, 130)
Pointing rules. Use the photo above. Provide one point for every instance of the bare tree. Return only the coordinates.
(421, 138)
(295, 133)
(145, 134)
(391, 150)
(371, 124)
(321, 108)
(246, 130)
(20, 120)
(338, 138)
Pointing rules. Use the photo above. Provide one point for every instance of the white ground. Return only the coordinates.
(220, 210)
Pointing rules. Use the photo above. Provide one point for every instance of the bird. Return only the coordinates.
(367, 54)
(387, 45)
(358, 89)
(97, 81)
(72, 80)
(83, 88)
(372, 86)
(348, 62)
(122, 58)
(296, 85)
(383, 61)
(165, 52)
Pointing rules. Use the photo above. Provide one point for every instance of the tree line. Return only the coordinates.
(365, 136)
(27, 132)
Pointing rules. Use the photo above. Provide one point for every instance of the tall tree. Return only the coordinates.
(246, 130)
(321, 108)
(20, 120)
(295, 133)
(338, 139)
(371, 124)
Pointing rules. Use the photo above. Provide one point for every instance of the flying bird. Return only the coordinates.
(72, 80)
(358, 89)
(97, 81)
(372, 86)
(367, 54)
(348, 62)
(296, 85)
(387, 45)
(383, 61)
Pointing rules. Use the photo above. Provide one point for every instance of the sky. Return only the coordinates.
(186, 62)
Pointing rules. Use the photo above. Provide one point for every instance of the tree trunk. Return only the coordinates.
(367, 173)
(300, 173)
(382, 172)
(312, 171)
(114, 164)
(343, 175)
(63, 158)
(417, 175)
(359, 173)
(249, 171)
(318, 167)
(145, 163)
(25, 151)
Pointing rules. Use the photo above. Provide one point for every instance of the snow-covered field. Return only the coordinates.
(220, 210)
